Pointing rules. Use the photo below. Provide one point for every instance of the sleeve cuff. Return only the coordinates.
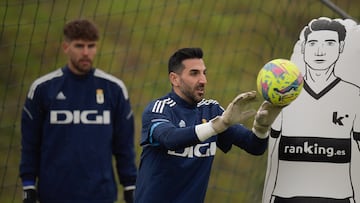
(204, 131)
(260, 135)
(130, 187)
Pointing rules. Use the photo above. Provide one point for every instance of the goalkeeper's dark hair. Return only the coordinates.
(175, 62)
(326, 24)
(81, 29)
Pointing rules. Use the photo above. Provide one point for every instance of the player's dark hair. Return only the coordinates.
(81, 29)
(325, 24)
(175, 62)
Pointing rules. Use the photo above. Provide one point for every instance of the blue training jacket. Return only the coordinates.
(175, 166)
(71, 128)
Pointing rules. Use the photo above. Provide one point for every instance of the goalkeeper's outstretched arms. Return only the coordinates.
(254, 140)
(238, 111)
(163, 132)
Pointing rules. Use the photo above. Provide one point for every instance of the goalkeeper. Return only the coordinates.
(182, 130)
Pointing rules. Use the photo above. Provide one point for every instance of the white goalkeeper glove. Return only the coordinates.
(237, 111)
(264, 117)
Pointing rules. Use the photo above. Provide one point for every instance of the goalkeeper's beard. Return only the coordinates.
(195, 95)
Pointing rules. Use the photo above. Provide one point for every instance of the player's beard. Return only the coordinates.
(82, 65)
(191, 93)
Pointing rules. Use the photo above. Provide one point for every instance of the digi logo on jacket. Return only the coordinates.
(80, 117)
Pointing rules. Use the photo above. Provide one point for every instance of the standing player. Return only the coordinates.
(182, 130)
(73, 121)
(313, 140)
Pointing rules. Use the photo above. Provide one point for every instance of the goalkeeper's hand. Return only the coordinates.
(29, 196)
(264, 117)
(238, 111)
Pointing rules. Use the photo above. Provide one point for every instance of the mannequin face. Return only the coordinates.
(322, 49)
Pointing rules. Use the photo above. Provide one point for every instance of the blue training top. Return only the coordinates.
(71, 126)
(175, 166)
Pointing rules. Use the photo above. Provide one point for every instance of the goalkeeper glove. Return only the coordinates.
(129, 196)
(264, 117)
(29, 196)
(237, 111)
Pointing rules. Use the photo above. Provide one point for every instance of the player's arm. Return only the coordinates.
(123, 147)
(31, 125)
(243, 138)
(237, 112)
(158, 129)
